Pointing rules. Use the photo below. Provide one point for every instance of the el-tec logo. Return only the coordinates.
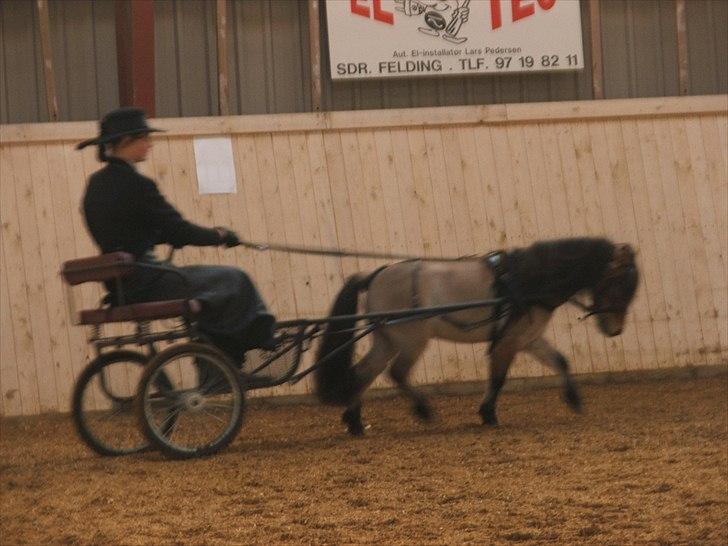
(433, 38)
(519, 9)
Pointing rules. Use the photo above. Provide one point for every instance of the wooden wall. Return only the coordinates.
(441, 181)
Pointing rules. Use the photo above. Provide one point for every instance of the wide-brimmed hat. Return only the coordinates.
(119, 123)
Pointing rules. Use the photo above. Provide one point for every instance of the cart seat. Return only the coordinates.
(112, 267)
(153, 310)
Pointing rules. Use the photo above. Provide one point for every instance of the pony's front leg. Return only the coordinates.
(501, 356)
(543, 351)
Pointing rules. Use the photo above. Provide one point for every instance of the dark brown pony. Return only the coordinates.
(532, 282)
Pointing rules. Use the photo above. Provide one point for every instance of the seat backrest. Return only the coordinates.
(98, 268)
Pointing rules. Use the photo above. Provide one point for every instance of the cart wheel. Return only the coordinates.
(200, 410)
(103, 397)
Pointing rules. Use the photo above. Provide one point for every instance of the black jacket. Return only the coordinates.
(124, 210)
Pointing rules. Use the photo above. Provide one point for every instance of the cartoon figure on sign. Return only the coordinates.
(441, 16)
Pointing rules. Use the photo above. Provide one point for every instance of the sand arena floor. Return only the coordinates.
(646, 464)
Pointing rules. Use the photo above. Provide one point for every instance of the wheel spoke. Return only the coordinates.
(212, 415)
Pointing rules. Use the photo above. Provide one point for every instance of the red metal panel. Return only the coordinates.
(135, 53)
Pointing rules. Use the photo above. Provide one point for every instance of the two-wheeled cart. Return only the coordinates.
(188, 399)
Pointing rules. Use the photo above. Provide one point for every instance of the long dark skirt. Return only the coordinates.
(233, 313)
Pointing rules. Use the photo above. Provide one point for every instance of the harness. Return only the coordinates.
(504, 291)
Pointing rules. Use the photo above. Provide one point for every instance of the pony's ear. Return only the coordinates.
(624, 254)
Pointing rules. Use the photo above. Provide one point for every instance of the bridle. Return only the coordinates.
(593, 310)
(615, 269)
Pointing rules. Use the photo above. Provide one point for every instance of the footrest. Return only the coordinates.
(153, 310)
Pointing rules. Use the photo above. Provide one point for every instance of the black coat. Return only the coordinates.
(124, 210)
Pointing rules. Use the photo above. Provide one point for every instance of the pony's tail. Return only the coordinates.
(335, 380)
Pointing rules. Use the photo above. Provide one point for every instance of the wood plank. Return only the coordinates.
(404, 181)
(32, 262)
(271, 188)
(77, 242)
(322, 290)
(419, 117)
(639, 318)
(52, 284)
(490, 187)
(717, 170)
(481, 233)
(449, 244)
(684, 295)
(399, 196)
(372, 195)
(584, 350)
(583, 146)
(429, 225)
(293, 232)
(542, 171)
(525, 207)
(185, 185)
(365, 194)
(658, 220)
(324, 210)
(455, 184)
(687, 183)
(345, 227)
(9, 382)
(609, 204)
(14, 270)
(252, 194)
(713, 228)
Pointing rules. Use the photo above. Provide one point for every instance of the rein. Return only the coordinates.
(350, 253)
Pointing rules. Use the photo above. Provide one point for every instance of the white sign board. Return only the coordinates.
(407, 38)
(215, 165)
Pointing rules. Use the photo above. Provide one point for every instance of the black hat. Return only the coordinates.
(118, 123)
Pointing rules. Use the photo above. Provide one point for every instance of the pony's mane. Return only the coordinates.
(553, 271)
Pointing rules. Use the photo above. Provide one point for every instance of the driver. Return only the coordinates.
(124, 210)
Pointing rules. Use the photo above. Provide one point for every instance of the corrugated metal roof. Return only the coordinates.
(268, 56)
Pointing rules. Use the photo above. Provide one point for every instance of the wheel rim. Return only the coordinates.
(192, 402)
(104, 406)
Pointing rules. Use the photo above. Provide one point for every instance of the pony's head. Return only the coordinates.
(614, 291)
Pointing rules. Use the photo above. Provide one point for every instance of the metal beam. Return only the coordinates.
(46, 48)
(597, 61)
(683, 67)
(223, 88)
(314, 40)
(135, 53)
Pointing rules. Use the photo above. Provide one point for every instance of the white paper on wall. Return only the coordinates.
(215, 165)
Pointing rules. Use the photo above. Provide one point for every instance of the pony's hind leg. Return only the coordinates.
(366, 371)
(542, 350)
(352, 419)
(400, 372)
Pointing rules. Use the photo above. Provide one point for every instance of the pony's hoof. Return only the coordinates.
(573, 400)
(355, 430)
(488, 416)
(423, 412)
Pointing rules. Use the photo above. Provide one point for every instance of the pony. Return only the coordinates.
(531, 283)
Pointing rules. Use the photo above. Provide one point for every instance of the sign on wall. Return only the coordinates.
(408, 38)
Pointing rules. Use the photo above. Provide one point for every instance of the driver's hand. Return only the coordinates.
(228, 237)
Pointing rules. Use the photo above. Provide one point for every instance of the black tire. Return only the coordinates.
(200, 410)
(104, 417)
